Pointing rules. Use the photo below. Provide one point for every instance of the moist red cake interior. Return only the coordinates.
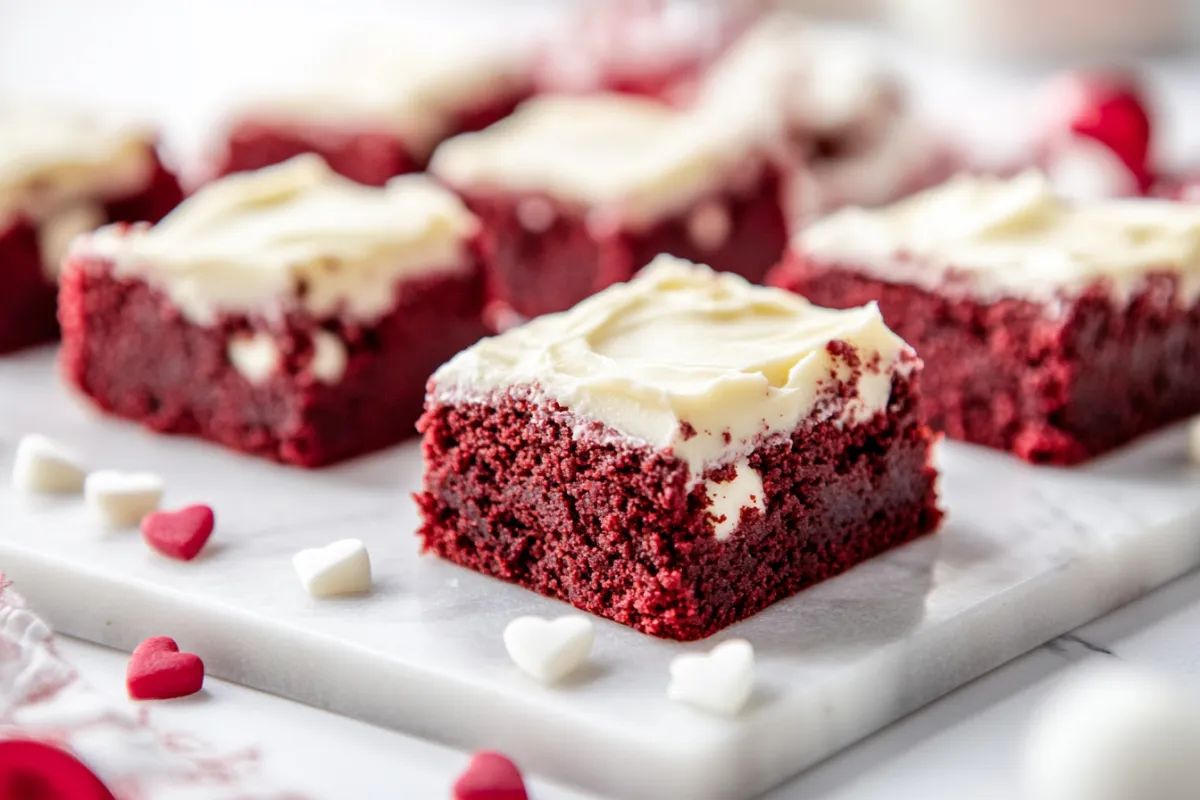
(128, 348)
(28, 296)
(1053, 388)
(612, 528)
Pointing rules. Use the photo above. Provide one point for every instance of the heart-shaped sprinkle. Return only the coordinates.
(1104, 107)
(158, 671)
(44, 466)
(549, 650)
(123, 498)
(178, 534)
(343, 567)
(720, 681)
(490, 776)
(31, 769)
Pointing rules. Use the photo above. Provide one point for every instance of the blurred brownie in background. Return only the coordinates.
(374, 112)
(577, 193)
(62, 173)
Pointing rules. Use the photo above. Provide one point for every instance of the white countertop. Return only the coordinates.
(963, 745)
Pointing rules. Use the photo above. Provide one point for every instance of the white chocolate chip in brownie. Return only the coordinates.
(709, 225)
(329, 357)
(254, 355)
(45, 466)
(729, 498)
(56, 232)
(535, 214)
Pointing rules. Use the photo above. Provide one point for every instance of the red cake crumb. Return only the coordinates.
(1051, 388)
(28, 294)
(129, 349)
(535, 269)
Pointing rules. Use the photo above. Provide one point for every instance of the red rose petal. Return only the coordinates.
(490, 776)
(178, 534)
(158, 671)
(35, 771)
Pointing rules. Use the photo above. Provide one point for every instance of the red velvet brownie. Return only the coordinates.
(577, 193)
(290, 313)
(62, 174)
(378, 112)
(849, 133)
(1052, 329)
(678, 452)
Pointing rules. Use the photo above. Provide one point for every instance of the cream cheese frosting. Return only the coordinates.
(295, 235)
(413, 87)
(688, 360)
(629, 155)
(1014, 237)
(51, 158)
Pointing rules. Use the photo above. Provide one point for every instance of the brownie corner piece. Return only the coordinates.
(288, 313)
(678, 452)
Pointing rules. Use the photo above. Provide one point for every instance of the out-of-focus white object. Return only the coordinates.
(1044, 27)
(1113, 732)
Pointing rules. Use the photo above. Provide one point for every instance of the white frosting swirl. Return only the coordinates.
(683, 344)
(1014, 237)
(52, 158)
(292, 235)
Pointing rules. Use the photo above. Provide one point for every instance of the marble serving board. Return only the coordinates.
(1025, 554)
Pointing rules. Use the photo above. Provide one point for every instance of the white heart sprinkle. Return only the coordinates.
(343, 567)
(123, 498)
(720, 681)
(549, 650)
(43, 465)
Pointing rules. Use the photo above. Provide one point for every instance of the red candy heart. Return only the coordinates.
(490, 776)
(158, 671)
(1108, 108)
(178, 534)
(34, 771)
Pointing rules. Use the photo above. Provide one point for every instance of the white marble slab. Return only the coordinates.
(1025, 554)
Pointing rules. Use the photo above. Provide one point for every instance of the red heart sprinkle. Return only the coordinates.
(34, 771)
(178, 534)
(158, 671)
(490, 776)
